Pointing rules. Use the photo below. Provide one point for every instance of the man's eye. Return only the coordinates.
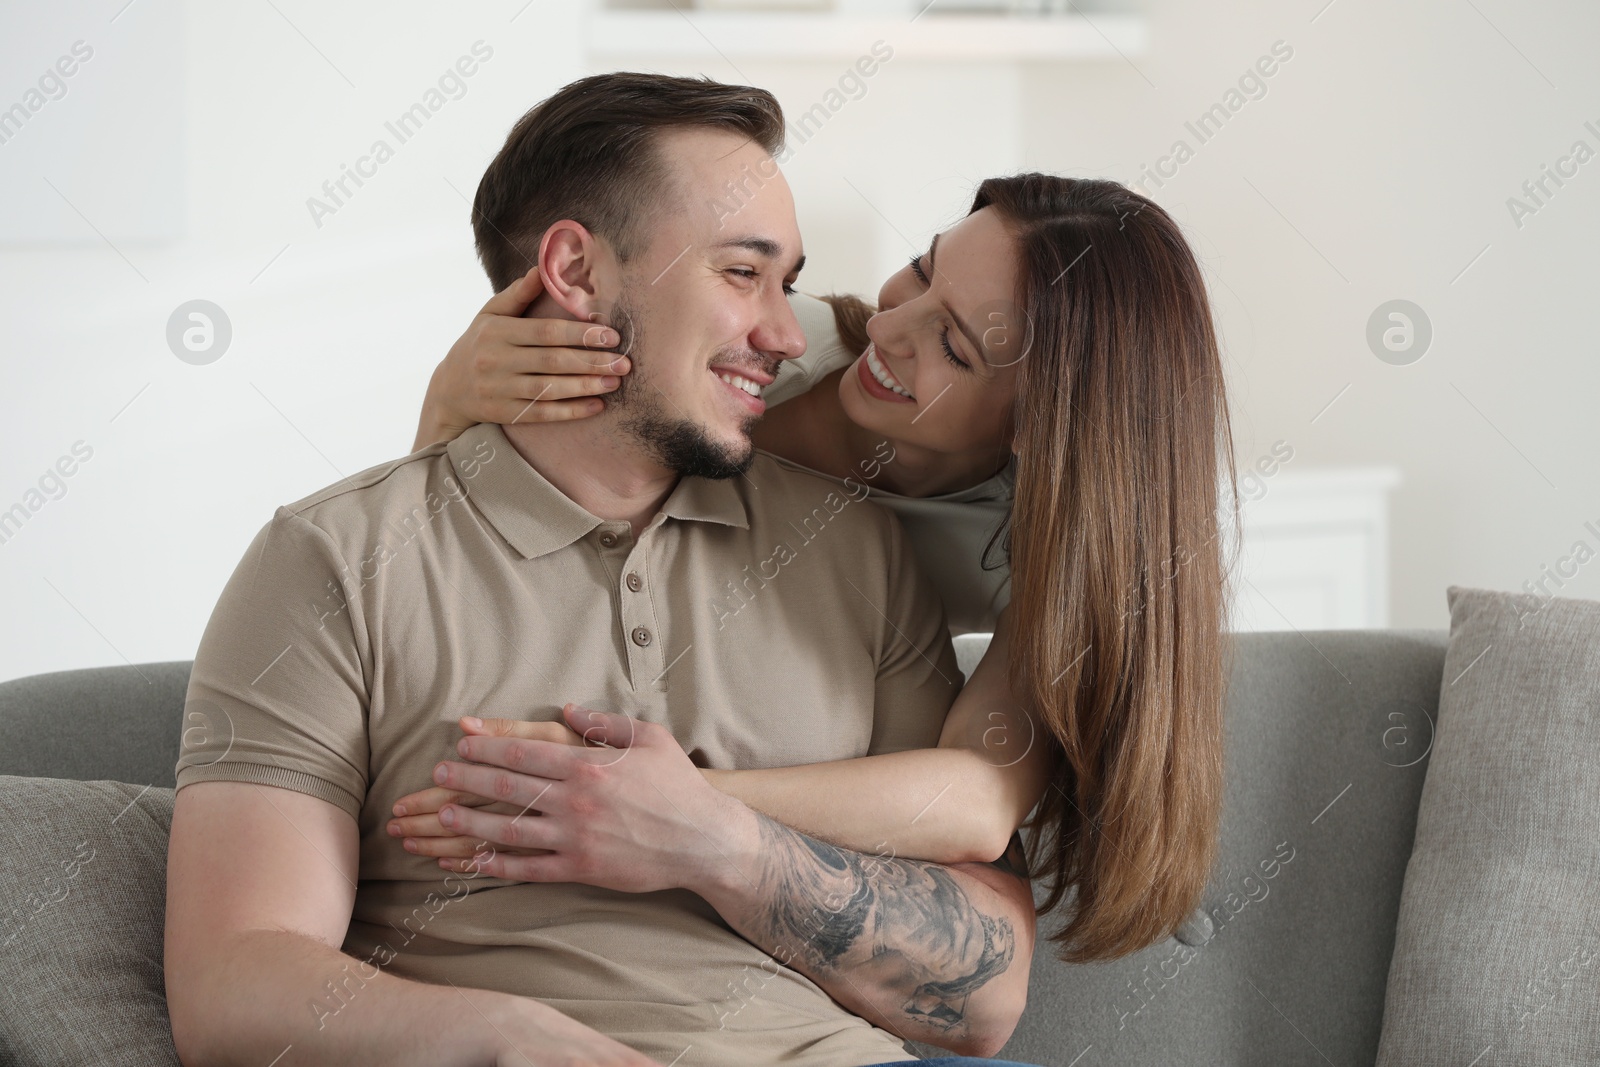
(743, 272)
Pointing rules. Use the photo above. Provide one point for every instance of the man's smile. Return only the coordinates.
(744, 385)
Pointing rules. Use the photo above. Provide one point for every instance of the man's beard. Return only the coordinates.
(646, 413)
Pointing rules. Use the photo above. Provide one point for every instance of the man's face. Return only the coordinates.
(702, 308)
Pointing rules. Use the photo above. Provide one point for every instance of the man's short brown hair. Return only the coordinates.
(589, 153)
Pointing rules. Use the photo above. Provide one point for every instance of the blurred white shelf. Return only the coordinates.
(1314, 555)
(801, 35)
(1314, 552)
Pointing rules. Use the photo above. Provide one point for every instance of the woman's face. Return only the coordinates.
(947, 344)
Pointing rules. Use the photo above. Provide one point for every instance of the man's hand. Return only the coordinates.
(634, 816)
(937, 954)
(417, 814)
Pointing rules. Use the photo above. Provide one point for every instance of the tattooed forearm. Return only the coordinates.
(904, 926)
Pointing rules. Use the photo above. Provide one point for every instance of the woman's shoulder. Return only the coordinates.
(825, 352)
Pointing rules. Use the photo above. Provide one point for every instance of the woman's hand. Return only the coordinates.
(509, 369)
(417, 819)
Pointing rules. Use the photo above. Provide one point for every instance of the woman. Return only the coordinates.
(1047, 381)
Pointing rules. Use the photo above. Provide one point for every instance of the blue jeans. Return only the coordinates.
(955, 1061)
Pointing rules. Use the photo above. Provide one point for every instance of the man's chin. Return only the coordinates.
(691, 450)
(721, 459)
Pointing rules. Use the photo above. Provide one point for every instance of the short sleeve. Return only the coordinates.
(278, 694)
(918, 678)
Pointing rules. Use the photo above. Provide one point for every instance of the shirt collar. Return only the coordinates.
(536, 518)
(707, 500)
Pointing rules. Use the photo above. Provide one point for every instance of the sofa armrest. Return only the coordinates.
(114, 723)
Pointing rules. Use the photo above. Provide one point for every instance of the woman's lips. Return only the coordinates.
(870, 383)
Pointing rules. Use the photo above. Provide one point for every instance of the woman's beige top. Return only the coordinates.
(950, 534)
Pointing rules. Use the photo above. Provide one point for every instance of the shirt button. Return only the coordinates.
(608, 539)
(641, 636)
(635, 582)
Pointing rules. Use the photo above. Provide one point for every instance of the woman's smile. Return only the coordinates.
(878, 381)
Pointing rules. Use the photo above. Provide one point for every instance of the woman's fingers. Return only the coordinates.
(424, 822)
(513, 411)
(455, 847)
(506, 368)
(452, 846)
(590, 338)
(416, 814)
(435, 797)
(542, 388)
(545, 346)
(505, 830)
(432, 799)
(532, 383)
(542, 730)
(427, 824)
(515, 298)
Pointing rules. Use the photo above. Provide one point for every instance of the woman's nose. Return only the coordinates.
(887, 330)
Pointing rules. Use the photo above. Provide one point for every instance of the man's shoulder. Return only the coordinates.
(394, 495)
(780, 489)
(788, 483)
(393, 486)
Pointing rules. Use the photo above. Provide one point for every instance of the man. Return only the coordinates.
(518, 568)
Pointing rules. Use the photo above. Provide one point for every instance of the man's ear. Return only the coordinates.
(574, 267)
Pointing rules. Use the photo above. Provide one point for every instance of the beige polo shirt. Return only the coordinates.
(767, 620)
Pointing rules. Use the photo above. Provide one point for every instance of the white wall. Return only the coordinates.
(1390, 140)
(332, 343)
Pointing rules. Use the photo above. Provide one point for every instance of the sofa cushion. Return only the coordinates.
(82, 903)
(1497, 949)
(1327, 734)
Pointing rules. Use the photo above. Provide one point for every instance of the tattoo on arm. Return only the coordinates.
(829, 911)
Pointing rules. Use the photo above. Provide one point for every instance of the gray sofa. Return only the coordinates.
(1328, 735)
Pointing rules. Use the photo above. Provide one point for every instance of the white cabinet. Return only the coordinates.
(1315, 551)
(1314, 555)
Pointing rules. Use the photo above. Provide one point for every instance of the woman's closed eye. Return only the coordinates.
(944, 335)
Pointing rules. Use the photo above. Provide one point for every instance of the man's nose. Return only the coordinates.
(778, 332)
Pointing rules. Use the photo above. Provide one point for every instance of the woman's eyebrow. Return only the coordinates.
(968, 331)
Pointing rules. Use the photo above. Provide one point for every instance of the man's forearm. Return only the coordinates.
(932, 953)
(267, 991)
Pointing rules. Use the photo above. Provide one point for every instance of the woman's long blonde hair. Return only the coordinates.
(1117, 553)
